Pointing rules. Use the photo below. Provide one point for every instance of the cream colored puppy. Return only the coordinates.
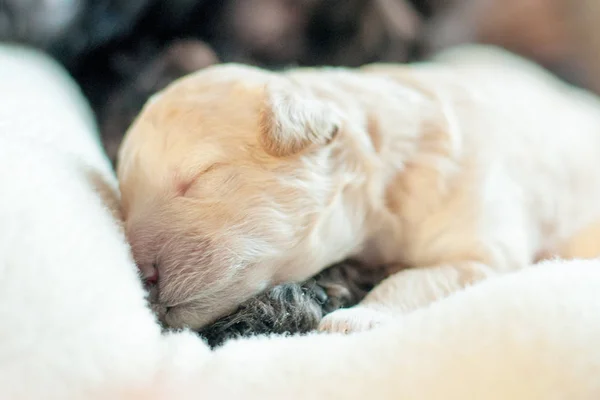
(235, 178)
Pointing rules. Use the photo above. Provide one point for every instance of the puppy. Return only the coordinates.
(235, 179)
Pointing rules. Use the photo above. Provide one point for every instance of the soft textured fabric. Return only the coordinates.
(74, 323)
(72, 317)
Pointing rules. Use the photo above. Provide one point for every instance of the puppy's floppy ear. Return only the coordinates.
(293, 120)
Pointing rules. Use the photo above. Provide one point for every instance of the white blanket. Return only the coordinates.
(74, 323)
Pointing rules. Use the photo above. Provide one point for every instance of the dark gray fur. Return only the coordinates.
(295, 308)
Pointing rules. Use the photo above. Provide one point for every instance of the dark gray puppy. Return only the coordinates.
(295, 308)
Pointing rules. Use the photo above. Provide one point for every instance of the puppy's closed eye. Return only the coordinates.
(186, 188)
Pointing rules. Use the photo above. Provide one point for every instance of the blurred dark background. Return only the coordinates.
(122, 51)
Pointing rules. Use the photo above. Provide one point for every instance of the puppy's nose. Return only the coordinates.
(149, 273)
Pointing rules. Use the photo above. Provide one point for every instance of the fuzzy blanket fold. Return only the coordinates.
(74, 323)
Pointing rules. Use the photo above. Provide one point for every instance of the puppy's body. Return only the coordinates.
(493, 139)
(475, 163)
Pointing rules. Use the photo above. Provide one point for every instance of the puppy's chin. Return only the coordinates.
(201, 311)
(189, 316)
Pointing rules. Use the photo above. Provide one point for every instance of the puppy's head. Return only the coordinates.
(227, 188)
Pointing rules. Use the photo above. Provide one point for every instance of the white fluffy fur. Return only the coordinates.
(72, 310)
(528, 335)
(74, 324)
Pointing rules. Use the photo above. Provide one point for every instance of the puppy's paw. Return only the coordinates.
(355, 319)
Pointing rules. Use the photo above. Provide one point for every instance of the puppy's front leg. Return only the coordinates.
(403, 292)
